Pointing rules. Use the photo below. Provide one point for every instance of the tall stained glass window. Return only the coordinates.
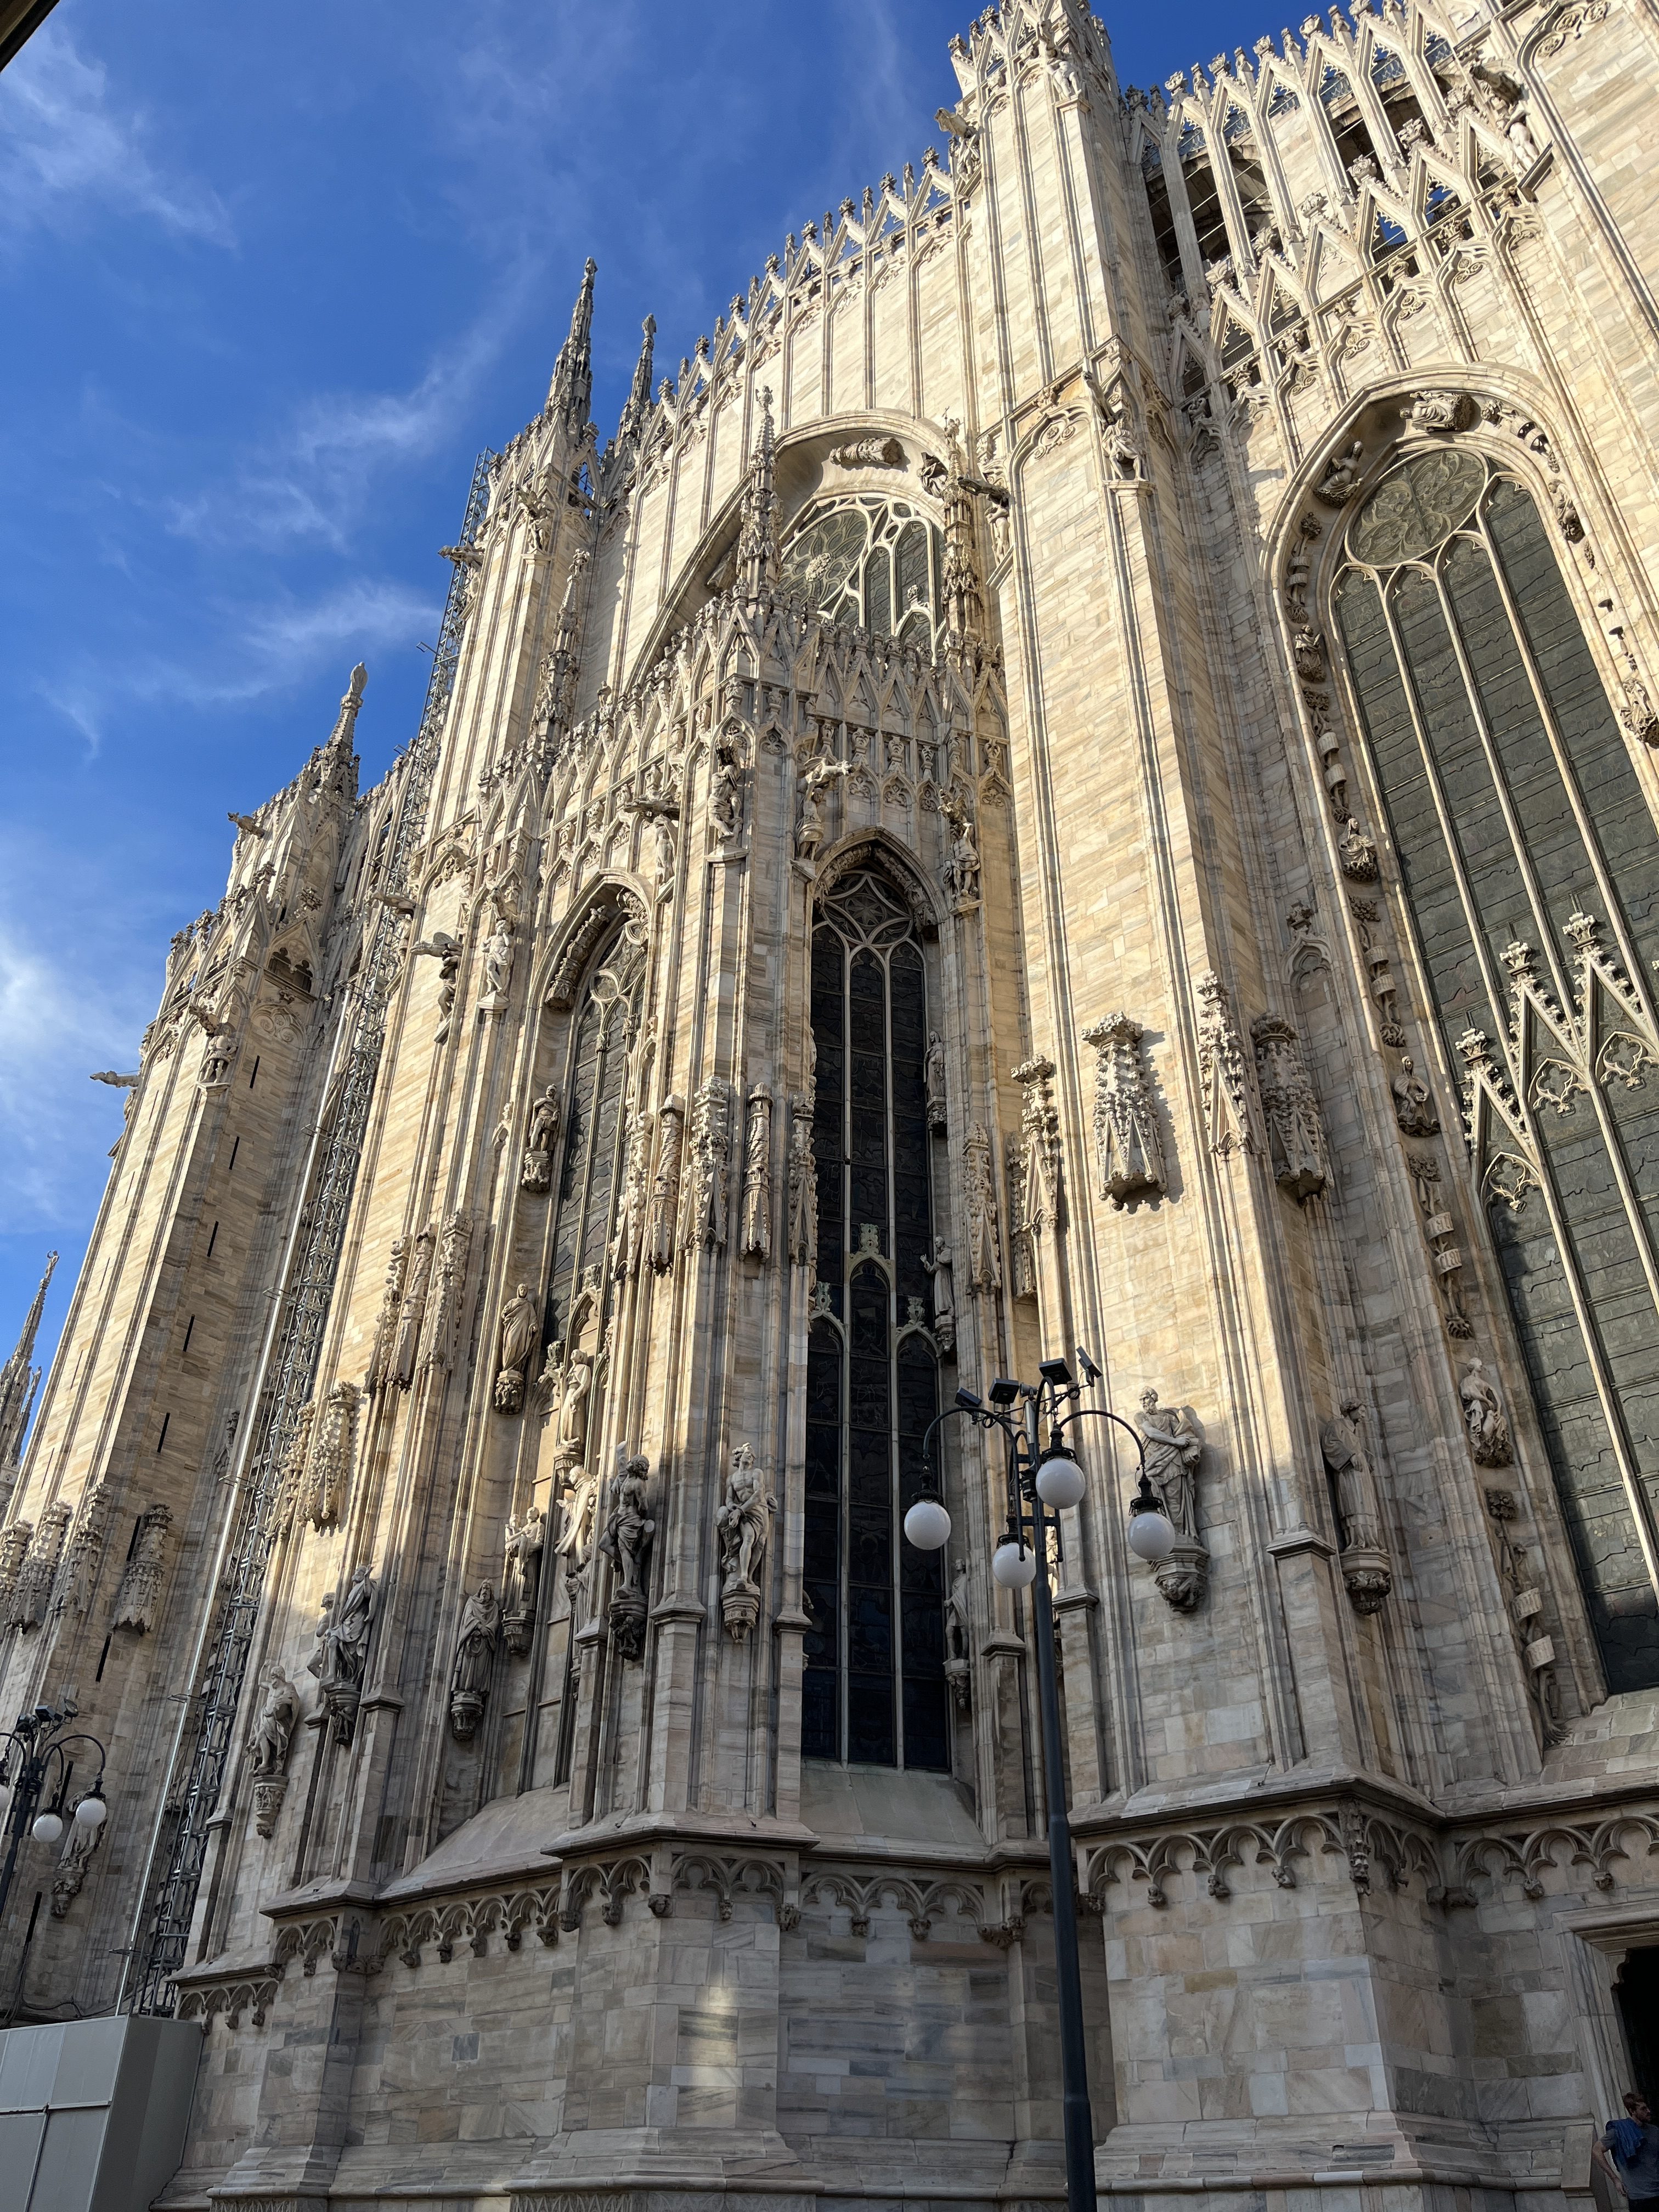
(876, 562)
(874, 1689)
(1530, 863)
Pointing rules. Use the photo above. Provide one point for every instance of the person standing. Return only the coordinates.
(1629, 2152)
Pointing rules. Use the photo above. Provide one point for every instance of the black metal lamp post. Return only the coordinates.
(35, 1762)
(1043, 1479)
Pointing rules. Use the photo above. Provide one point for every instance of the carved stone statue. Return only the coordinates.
(447, 950)
(979, 1192)
(267, 1747)
(413, 1312)
(933, 1078)
(1336, 485)
(1290, 1111)
(756, 1238)
(958, 1665)
(1173, 1444)
(341, 1653)
(575, 1383)
(940, 1266)
(663, 832)
(1366, 1571)
(809, 830)
(1485, 1419)
(628, 1529)
(474, 1655)
(1413, 1108)
(522, 1585)
(541, 1135)
(497, 965)
(961, 868)
(726, 790)
(520, 1325)
(1128, 1152)
(137, 1600)
(802, 1184)
(741, 1526)
(1357, 852)
(575, 1539)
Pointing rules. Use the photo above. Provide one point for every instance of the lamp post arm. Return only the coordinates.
(1099, 1413)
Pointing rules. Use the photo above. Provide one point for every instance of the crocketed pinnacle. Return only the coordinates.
(757, 540)
(19, 1380)
(572, 389)
(638, 405)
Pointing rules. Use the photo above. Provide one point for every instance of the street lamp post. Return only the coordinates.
(1043, 1479)
(35, 1762)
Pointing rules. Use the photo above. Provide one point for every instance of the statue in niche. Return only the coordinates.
(628, 1529)
(577, 1513)
(1413, 1108)
(1357, 852)
(1173, 1444)
(803, 1183)
(933, 1079)
(447, 950)
(267, 1746)
(1485, 1419)
(522, 1582)
(1336, 485)
(520, 1325)
(725, 789)
(475, 1655)
(662, 830)
(341, 1655)
(574, 1383)
(1366, 1569)
(961, 868)
(413, 1312)
(979, 1192)
(497, 963)
(541, 1135)
(741, 1526)
(959, 1666)
(940, 1266)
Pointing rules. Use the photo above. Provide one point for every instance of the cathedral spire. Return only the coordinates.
(344, 731)
(18, 1384)
(757, 541)
(572, 388)
(639, 398)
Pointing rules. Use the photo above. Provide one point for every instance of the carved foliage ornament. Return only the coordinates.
(1128, 1152)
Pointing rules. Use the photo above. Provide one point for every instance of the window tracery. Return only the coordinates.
(1528, 858)
(873, 562)
(874, 1689)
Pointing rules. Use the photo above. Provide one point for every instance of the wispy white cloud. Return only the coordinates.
(66, 144)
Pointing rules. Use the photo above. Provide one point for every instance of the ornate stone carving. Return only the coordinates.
(1357, 852)
(341, 1658)
(274, 1725)
(1413, 1107)
(13, 1554)
(939, 1266)
(566, 1383)
(726, 781)
(1022, 1249)
(541, 1135)
(628, 1529)
(706, 1185)
(868, 453)
(1041, 1191)
(1128, 1152)
(803, 1183)
(413, 1311)
(1229, 1119)
(516, 1338)
(636, 1202)
(1295, 1139)
(756, 1241)
(1366, 1569)
(521, 1581)
(665, 1187)
(447, 950)
(474, 1660)
(742, 1524)
(1485, 1419)
(814, 785)
(138, 1596)
(1442, 412)
(1571, 23)
(443, 1307)
(1339, 481)
(979, 1194)
(934, 1083)
(1440, 1227)
(1173, 1443)
(961, 867)
(327, 1481)
(70, 1871)
(380, 1360)
(1526, 1605)
(958, 1640)
(84, 1554)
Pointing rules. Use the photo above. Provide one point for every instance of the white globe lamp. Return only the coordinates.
(91, 1812)
(1150, 1537)
(1012, 1568)
(1059, 1481)
(927, 1525)
(47, 1828)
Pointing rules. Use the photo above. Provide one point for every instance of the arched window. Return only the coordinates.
(1530, 863)
(594, 1135)
(874, 1689)
(870, 561)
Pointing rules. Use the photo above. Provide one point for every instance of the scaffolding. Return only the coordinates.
(163, 1935)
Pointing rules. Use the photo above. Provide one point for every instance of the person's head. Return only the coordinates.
(1638, 2108)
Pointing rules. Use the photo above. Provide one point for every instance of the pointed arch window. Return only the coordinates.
(1529, 861)
(874, 1688)
(594, 1137)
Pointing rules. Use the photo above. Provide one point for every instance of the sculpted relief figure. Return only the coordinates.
(628, 1529)
(1413, 1108)
(741, 1526)
(522, 1585)
(802, 1184)
(474, 1655)
(809, 830)
(938, 1264)
(1173, 1444)
(1365, 1567)
(958, 1665)
(933, 1079)
(520, 1326)
(984, 1253)
(541, 1135)
(447, 950)
(267, 1747)
(342, 1653)
(1485, 1419)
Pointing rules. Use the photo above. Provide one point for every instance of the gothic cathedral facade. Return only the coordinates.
(1087, 773)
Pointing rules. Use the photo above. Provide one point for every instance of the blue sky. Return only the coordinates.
(269, 280)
